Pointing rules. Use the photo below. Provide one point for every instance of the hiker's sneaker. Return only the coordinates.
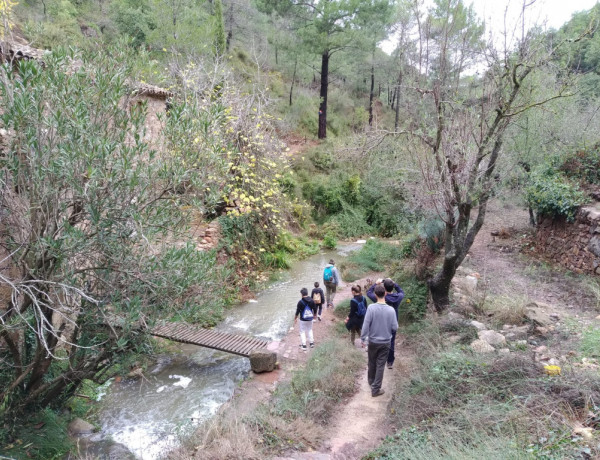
(303, 347)
(390, 365)
(378, 393)
(319, 317)
(312, 345)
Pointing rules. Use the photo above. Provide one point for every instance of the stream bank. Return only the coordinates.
(150, 415)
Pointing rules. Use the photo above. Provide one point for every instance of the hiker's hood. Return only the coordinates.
(329, 265)
(394, 297)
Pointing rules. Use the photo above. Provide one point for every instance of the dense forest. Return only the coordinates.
(283, 122)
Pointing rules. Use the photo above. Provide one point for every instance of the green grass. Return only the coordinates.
(418, 444)
(323, 381)
(342, 309)
(590, 342)
(44, 437)
(374, 256)
(460, 405)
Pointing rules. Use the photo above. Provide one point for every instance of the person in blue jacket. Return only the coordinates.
(393, 299)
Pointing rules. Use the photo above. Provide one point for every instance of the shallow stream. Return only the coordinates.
(147, 416)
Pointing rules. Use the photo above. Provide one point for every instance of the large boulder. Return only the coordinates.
(479, 326)
(79, 427)
(263, 360)
(514, 333)
(492, 337)
(468, 284)
(540, 314)
(481, 346)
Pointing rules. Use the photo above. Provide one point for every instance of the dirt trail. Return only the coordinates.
(505, 271)
(361, 421)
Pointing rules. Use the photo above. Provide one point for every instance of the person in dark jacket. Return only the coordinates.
(393, 299)
(303, 307)
(354, 321)
(315, 294)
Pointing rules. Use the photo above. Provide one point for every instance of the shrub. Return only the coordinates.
(550, 193)
(414, 304)
(329, 242)
(350, 223)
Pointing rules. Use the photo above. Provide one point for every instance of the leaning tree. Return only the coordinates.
(464, 98)
(89, 218)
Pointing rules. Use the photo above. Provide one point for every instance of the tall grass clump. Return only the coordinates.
(506, 309)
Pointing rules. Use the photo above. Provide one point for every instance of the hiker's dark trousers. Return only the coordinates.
(378, 354)
(391, 358)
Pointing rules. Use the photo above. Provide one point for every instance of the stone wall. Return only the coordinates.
(575, 245)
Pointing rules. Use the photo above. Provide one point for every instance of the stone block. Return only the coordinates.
(478, 325)
(80, 427)
(262, 360)
(492, 337)
(481, 346)
(594, 245)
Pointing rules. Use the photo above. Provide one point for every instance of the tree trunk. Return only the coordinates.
(439, 285)
(323, 105)
(394, 98)
(230, 32)
(397, 119)
(532, 220)
(293, 80)
(277, 62)
(371, 94)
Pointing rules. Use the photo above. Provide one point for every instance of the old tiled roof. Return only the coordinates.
(14, 51)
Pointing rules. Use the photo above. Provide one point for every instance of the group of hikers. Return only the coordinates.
(376, 324)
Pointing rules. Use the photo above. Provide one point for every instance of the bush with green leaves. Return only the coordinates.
(329, 242)
(551, 193)
(583, 165)
(93, 230)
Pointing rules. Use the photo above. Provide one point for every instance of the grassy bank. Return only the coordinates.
(462, 405)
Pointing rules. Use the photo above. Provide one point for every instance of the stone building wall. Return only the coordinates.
(575, 245)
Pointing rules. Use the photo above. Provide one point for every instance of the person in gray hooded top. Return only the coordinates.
(380, 323)
(331, 279)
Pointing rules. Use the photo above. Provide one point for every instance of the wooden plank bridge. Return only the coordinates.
(231, 343)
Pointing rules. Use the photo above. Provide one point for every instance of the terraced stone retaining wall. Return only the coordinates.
(575, 245)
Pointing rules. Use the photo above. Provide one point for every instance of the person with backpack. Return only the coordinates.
(381, 322)
(393, 299)
(331, 278)
(318, 297)
(306, 311)
(358, 310)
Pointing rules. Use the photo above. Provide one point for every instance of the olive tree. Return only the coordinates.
(93, 235)
(461, 118)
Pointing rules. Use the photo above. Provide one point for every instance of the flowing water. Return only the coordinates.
(148, 415)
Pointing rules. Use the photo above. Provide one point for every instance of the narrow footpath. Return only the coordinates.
(361, 421)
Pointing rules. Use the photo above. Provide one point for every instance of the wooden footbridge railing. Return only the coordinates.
(231, 343)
